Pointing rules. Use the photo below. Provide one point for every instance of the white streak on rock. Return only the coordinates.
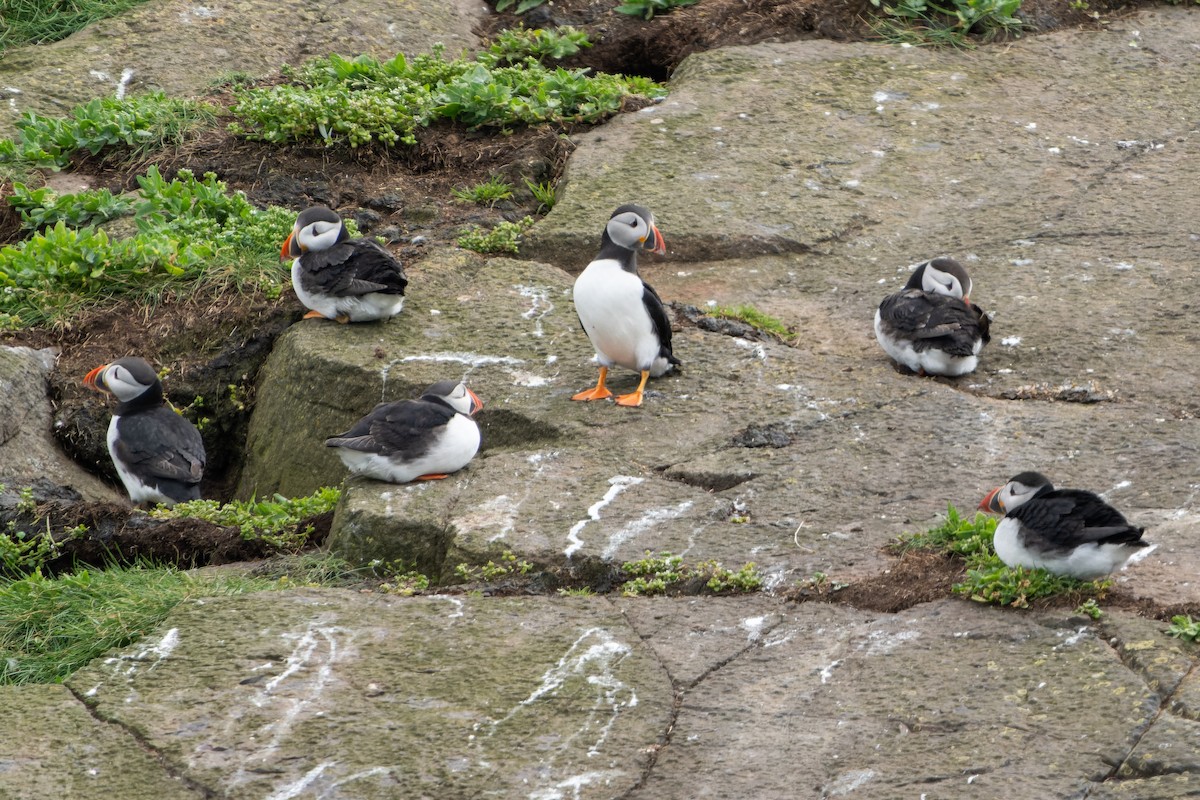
(617, 485)
(540, 306)
(827, 672)
(591, 661)
(294, 789)
(644, 523)
(123, 84)
(574, 784)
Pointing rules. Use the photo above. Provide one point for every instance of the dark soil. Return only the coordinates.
(215, 342)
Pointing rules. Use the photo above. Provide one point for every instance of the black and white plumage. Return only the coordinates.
(159, 455)
(336, 277)
(931, 326)
(621, 314)
(408, 440)
(1066, 531)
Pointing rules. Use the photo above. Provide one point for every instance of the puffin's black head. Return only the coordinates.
(632, 226)
(454, 394)
(317, 228)
(1019, 490)
(942, 276)
(129, 378)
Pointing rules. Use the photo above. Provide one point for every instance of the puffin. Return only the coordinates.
(1065, 531)
(414, 440)
(621, 314)
(931, 326)
(336, 277)
(159, 455)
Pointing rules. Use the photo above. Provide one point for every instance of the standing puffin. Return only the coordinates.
(931, 326)
(158, 454)
(336, 277)
(1066, 531)
(414, 440)
(621, 313)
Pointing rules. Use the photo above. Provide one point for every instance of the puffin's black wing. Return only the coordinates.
(658, 317)
(407, 427)
(353, 267)
(162, 445)
(929, 321)
(1071, 517)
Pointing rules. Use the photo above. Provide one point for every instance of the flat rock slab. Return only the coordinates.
(181, 47)
(343, 695)
(337, 694)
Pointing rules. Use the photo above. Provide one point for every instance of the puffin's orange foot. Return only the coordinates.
(314, 315)
(632, 400)
(342, 318)
(433, 476)
(595, 393)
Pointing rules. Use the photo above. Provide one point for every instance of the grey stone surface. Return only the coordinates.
(1060, 168)
(337, 694)
(180, 47)
(28, 451)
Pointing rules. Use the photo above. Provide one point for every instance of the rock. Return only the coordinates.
(28, 451)
(66, 752)
(181, 48)
(340, 694)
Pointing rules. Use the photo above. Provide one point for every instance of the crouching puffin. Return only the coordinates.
(621, 313)
(414, 440)
(931, 326)
(158, 454)
(336, 277)
(1066, 531)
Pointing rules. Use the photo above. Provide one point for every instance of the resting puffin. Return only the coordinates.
(621, 313)
(1066, 531)
(931, 326)
(158, 454)
(414, 440)
(336, 277)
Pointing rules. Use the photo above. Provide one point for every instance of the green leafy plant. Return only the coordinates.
(504, 238)
(516, 44)
(1184, 627)
(341, 101)
(140, 124)
(646, 9)
(22, 552)
(666, 572)
(509, 565)
(988, 579)
(190, 232)
(488, 193)
(544, 193)
(924, 22)
(41, 208)
(521, 5)
(754, 318)
(274, 521)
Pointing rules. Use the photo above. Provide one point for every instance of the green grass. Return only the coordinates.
(273, 520)
(754, 318)
(949, 23)
(485, 194)
(39, 21)
(50, 627)
(544, 193)
(988, 579)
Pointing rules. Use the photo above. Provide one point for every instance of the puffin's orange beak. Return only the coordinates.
(660, 246)
(92, 379)
(992, 501)
(476, 403)
(286, 252)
